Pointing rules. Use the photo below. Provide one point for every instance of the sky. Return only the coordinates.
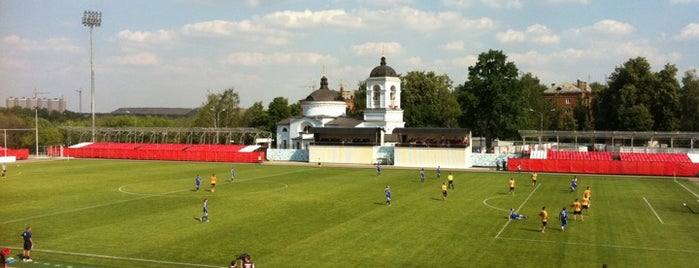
(173, 53)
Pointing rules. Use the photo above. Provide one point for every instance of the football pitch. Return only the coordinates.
(119, 213)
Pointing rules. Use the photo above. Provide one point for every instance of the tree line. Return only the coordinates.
(495, 102)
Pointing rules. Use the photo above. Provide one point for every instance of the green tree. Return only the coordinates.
(492, 100)
(638, 99)
(295, 109)
(666, 100)
(689, 101)
(257, 117)
(358, 102)
(278, 110)
(219, 110)
(428, 100)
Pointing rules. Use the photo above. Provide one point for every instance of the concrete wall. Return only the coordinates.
(432, 157)
(342, 154)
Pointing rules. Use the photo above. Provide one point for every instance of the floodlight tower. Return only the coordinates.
(92, 19)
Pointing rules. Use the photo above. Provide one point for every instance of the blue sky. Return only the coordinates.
(170, 53)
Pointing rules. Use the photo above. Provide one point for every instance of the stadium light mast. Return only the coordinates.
(92, 19)
(541, 124)
(36, 129)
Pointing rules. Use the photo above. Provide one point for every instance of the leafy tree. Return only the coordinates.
(535, 90)
(492, 100)
(219, 110)
(278, 110)
(689, 101)
(638, 99)
(359, 101)
(428, 100)
(666, 100)
(295, 109)
(257, 117)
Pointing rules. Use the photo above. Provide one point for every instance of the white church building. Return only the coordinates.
(326, 108)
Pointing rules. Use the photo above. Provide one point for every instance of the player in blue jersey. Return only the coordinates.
(422, 174)
(28, 244)
(197, 182)
(378, 169)
(232, 174)
(388, 195)
(205, 217)
(574, 184)
(563, 216)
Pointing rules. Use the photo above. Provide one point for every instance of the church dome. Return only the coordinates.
(383, 70)
(324, 93)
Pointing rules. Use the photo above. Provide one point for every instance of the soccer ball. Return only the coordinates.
(10, 260)
(684, 204)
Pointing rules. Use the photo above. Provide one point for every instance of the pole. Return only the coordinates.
(92, 19)
(92, 88)
(541, 124)
(36, 130)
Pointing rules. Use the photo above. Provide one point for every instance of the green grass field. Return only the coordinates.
(104, 213)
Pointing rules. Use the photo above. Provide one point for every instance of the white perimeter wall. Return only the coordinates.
(432, 157)
(342, 154)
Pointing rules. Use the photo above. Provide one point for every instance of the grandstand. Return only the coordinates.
(623, 153)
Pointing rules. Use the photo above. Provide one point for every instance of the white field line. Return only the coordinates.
(520, 207)
(179, 264)
(604, 245)
(652, 209)
(132, 199)
(685, 187)
(485, 202)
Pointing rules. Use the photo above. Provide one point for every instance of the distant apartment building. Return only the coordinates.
(567, 96)
(54, 104)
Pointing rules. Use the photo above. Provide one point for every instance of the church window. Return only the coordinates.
(377, 96)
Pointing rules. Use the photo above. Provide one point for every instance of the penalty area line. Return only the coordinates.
(685, 187)
(652, 209)
(601, 245)
(120, 258)
(520, 207)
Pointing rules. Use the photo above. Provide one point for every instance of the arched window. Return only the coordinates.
(284, 129)
(393, 97)
(377, 96)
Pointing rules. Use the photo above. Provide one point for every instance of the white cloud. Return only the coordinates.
(422, 21)
(267, 59)
(463, 4)
(254, 31)
(139, 59)
(453, 46)
(689, 32)
(581, 2)
(159, 36)
(683, 1)
(537, 33)
(606, 27)
(306, 19)
(373, 48)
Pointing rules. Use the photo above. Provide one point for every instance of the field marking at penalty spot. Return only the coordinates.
(132, 199)
(520, 207)
(118, 258)
(652, 209)
(688, 190)
(601, 245)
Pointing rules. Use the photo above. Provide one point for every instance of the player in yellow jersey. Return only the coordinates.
(450, 178)
(534, 177)
(544, 218)
(212, 180)
(577, 210)
(586, 194)
(585, 204)
(444, 191)
(512, 186)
